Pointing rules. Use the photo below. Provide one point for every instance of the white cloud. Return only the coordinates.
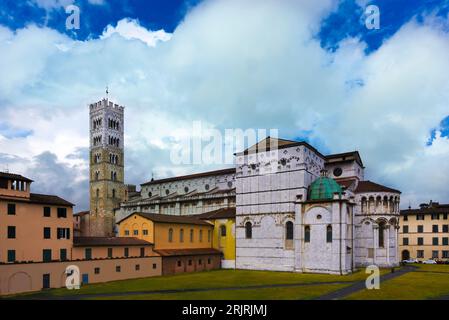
(131, 29)
(233, 64)
(52, 4)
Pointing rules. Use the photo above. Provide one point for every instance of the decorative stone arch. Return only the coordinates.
(364, 204)
(19, 282)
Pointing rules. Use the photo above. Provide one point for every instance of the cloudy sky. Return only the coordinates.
(309, 68)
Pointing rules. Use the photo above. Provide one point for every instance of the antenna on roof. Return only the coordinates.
(107, 92)
(152, 175)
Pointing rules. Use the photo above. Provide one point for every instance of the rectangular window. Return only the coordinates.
(109, 252)
(46, 255)
(88, 253)
(145, 232)
(420, 241)
(126, 252)
(445, 241)
(47, 233)
(11, 232)
(136, 232)
(63, 254)
(435, 216)
(405, 229)
(420, 228)
(445, 254)
(11, 209)
(405, 241)
(307, 234)
(445, 228)
(126, 232)
(208, 261)
(11, 255)
(46, 281)
(137, 267)
(179, 263)
(434, 254)
(435, 228)
(201, 236)
(97, 270)
(405, 218)
(62, 212)
(142, 252)
(435, 241)
(420, 253)
(47, 211)
(200, 261)
(190, 262)
(154, 266)
(118, 269)
(444, 216)
(208, 235)
(420, 217)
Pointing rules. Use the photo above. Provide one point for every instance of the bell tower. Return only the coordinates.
(107, 187)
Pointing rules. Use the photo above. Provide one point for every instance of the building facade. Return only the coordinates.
(107, 189)
(424, 232)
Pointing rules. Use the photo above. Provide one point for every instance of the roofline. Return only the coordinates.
(342, 154)
(293, 144)
(28, 200)
(142, 214)
(191, 176)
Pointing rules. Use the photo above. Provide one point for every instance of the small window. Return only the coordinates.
(420, 241)
(307, 234)
(11, 209)
(200, 261)
(118, 269)
(190, 262)
(63, 254)
(191, 235)
(404, 229)
(97, 270)
(223, 230)
(434, 254)
(289, 230)
(145, 232)
(405, 241)
(435, 216)
(435, 241)
(248, 230)
(209, 235)
(405, 218)
(46, 255)
(11, 255)
(154, 266)
(170, 235)
(420, 254)
(47, 233)
(11, 232)
(142, 252)
(126, 252)
(110, 252)
(445, 241)
(181, 235)
(179, 263)
(88, 253)
(329, 234)
(445, 254)
(186, 189)
(126, 232)
(209, 261)
(62, 212)
(420, 229)
(47, 211)
(137, 267)
(445, 228)
(201, 236)
(136, 232)
(435, 228)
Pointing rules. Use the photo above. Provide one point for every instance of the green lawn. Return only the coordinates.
(207, 279)
(417, 285)
(288, 293)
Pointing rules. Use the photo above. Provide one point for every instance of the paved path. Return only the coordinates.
(149, 292)
(360, 285)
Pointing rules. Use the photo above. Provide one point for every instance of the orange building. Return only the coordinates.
(37, 244)
(185, 243)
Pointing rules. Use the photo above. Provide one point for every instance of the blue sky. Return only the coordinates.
(312, 70)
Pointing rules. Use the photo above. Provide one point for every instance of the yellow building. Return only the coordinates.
(224, 234)
(424, 232)
(184, 242)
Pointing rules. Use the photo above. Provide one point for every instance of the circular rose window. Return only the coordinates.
(338, 172)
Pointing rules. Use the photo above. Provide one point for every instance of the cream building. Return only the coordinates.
(424, 232)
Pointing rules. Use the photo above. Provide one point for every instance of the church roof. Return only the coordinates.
(192, 176)
(223, 213)
(323, 188)
(369, 186)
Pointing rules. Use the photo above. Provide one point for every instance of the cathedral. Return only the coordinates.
(288, 206)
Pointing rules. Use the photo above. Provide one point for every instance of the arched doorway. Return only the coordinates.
(19, 282)
(405, 255)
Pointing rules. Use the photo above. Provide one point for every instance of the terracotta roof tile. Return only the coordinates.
(7, 175)
(223, 213)
(109, 241)
(187, 252)
(369, 186)
(166, 218)
(40, 199)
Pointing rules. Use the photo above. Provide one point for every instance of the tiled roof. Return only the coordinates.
(345, 156)
(82, 213)
(40, 199)
(369, 186)
(192, 176)
(166, 218)
(7, 175)
(187, 252)
(429, 209)
(345, 183)
(223, 213)
(109, 241)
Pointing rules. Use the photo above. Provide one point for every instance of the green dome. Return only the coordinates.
(323, 188)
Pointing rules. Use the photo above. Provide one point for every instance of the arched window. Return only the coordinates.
(223, 230)
(289, 230)
(329, 234)
(97, 175)
(113, 193)
(181, 235)
(307, 234)
(191, 235)
(363, 205)
(112, 175)
(381, 234)
(170, 235)
(248, 230)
